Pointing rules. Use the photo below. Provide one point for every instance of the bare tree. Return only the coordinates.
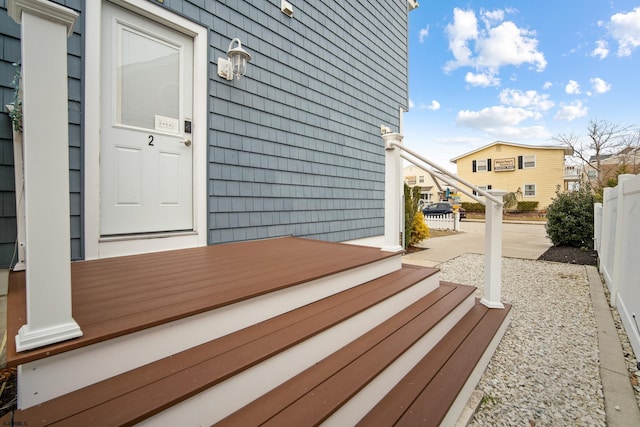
(604, 139)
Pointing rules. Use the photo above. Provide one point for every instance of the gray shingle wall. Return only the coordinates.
(10, 53)
(295, 146)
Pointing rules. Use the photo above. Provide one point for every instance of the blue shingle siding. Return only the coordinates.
(294, 147)
(9, 53)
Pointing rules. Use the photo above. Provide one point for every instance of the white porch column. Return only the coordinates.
(45, 27)
(617, 247)
(493, 252)
(392, 193)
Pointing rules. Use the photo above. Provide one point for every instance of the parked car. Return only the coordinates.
(442, 208)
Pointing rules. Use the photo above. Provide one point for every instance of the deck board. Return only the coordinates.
(115, 296)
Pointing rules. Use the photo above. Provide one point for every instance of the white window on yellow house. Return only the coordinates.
(529, 190)
(481, 165)
(529, 161)
(483, 188)
(421, 179)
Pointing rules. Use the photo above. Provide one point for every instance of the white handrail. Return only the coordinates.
(445, 178)
(442, 170)
(393, 219)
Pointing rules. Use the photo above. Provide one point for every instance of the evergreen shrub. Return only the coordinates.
(570, 219)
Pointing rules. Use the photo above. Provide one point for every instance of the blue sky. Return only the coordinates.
(518, 70)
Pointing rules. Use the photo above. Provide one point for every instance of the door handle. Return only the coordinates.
(187, 142)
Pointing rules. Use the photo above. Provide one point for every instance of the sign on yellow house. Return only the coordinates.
(537, 171)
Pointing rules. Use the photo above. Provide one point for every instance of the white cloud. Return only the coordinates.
(463, 29)
(572, 88)
(434, 106)
(493, 47)
(601, 50)
(492, 17)
(411, 104)
(423, 34)
(507, 44)
(526, 99)
(482, 79)
(547, 85)
(599, 85)
(571, 111)
(503, 122)
(492, 117)
(625, 28)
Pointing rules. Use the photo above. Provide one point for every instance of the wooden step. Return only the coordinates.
(311, 397)
(136, 395)
(424, 396)
(136, 310)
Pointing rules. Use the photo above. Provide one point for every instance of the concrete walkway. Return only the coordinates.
(519, 240)
(529, 241)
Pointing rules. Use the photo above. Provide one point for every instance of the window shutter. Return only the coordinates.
(473, 166)
(519, 162)
(488, 165)
(489, 187)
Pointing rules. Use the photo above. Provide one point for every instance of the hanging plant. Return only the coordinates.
(16, 113)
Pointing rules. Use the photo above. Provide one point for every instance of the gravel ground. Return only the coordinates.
(545, 371)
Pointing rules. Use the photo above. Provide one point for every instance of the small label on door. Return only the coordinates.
(167, 124)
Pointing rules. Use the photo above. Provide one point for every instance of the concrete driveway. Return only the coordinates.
(527, 240)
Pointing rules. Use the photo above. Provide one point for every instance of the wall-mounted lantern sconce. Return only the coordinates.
(236, 63)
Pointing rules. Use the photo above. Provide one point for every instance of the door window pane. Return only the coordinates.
(148, 80)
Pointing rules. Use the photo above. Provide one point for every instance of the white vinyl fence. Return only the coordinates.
(443, 222)
(617, 232)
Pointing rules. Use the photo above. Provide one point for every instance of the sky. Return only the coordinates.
(520, 71)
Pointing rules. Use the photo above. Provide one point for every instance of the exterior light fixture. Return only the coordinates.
(236, 63)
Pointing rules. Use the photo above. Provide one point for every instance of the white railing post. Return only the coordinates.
(493, 252)
(618, 238)
(456, 221)
(392, 193)
(45, 27)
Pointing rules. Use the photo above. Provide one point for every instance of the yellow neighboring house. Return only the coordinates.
(535, 170)
(413, 176)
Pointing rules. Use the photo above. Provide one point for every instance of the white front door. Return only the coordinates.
(146, 157)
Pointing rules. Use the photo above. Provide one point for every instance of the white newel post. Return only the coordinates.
(45, 27)
(493, 252)
(392, 193)
(617, 247)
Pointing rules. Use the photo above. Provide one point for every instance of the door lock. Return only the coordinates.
(187, 142)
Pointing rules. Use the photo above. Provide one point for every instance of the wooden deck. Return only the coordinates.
(368, 321)
(116, 296)
(139, 394)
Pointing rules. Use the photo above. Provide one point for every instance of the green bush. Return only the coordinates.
(414, 232)
(419, 230)
(473, 207)
(570, 219)
(527, 206)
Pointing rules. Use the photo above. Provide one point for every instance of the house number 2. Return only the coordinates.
(151, 140)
